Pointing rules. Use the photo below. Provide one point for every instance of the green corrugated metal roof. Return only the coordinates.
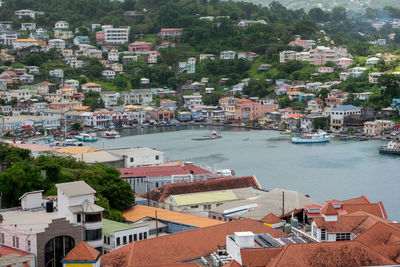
(204, 197)
(110, 227)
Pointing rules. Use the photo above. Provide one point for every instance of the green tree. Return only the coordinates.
(94, 100)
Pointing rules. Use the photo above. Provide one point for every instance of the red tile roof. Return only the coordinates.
(9, 250)
(380, 233)
(329, 254)
(329, 210)
(161, 193)
(271, 219)
(355, 223)
(358, 200)
(158, 171)
(376, 209)
(174, 248)
(82, 252)
(258, 257)
(389, 251)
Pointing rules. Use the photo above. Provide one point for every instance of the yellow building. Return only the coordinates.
(82, 255)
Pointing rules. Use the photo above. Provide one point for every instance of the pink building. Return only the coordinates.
(139, 47)
(100, 37)
(343, 62)
(249, 110)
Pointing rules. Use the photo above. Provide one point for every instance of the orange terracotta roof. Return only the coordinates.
(82, 252)
(139, 212)
(232, 264)
(91, 84)
(329, 254)
(174, 248)
(258, 257)
(329, 210)
(380, 233)
(271, 219)
(389, 251)
(376, 209)
(161, 193)
(358, 200)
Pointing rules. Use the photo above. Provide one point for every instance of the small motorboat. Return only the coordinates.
(319, 137)
(286, 132)
(87, 137)
(214, 134)
(110, 134)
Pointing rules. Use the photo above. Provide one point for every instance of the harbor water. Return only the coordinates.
(340, 169)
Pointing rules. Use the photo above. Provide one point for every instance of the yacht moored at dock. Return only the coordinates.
(319, 137)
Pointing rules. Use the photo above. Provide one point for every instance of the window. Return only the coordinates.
(78, 218)
(130, 238)
(93, 234)
(56, 249)
(314, 232)
(124, 240)
(2, 238)
(89, 218)
(140, 236)
(105, 240)
(343, 236)
(207, 207)
(323, 234)
(214, 217)
(13, 241)
(131, 159)
(157, 157)
(134, 237)
(108, 240)
(118, 241)
(145, 235)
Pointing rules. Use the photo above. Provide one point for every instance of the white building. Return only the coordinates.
(110, 98)
(61, 25)
(76, 64)
(191, 101)
(28, 26)
(374, 76)
(71, 83)
(76, 204)
(286, 56)
(116, 234)
(372, 61)
(26, 78)
(363, 96)
(139, 156)
(57, 44)
(113, 56)
(108, 74)
(21, 94)
(95, 87)
(24, 43)
(137, 96)
(227, 55)
(57, 73)
(25, 12)
(339, 113)
(116, 35)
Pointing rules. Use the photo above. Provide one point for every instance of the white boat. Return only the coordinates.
(214, 135)
(319, 137)
(392, 147)
(110, 134)
(87, 137)
(286, 132)
(72, 142)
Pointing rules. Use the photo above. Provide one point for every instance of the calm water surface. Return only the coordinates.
(339, 169)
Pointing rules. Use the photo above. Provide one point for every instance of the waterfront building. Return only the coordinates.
(192, 101)
(339, 113)
(378, 127)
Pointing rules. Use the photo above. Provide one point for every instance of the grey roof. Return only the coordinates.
(269, 202)
(77, 188)
(86, 207)
(134, 150)
(97, 157)
(33, 192)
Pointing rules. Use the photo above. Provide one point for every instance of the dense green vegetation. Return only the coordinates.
(25, 173)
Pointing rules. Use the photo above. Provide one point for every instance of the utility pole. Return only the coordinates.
(283, 202)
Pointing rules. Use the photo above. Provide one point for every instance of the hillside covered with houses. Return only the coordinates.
(167, 61)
